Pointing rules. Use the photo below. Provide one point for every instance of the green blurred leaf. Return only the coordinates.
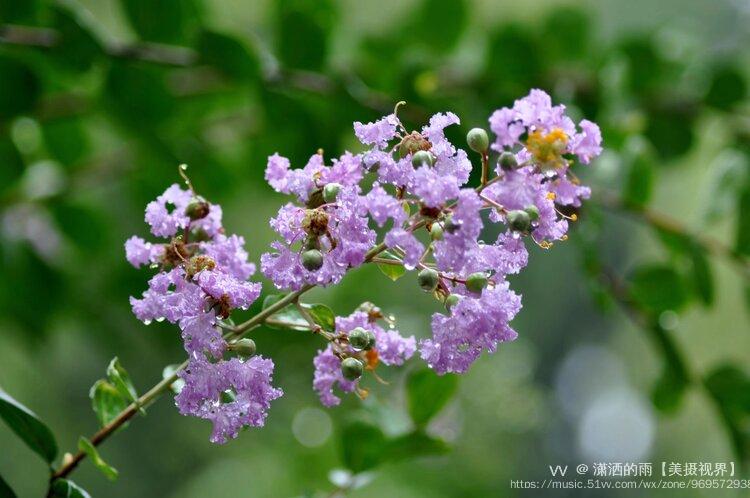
(77, 48)
(427, 393)
(669, 390)
(166, 21)
(303, 32)
(289, 316)
(658, 287)
(730, 389)
(229, 55)
(728, 87)
(120, 379)
(19, 88)
(138, 95)
(743, 223)
(88, 447)
(728, 173)
(702, 276)
(639, 182)
(11, 160)
(177, 385)
(394, 272)
(670, 129)
(63, 488)
(27, 426)
(514, 62)
(25, 11)
(106, 401)
(415, 444)
(66, 140)
(5, 490)
(450, 15)
(566, 31)
(363, 445)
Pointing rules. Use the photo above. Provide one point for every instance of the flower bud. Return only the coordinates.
(351, 368)
(422, 157)
(436, 231)
(507, 161)
(428, 279)
(476, 282)
(197, 208)
(330, 191)
(360, 339)
(312, 260)
(518, 221)
(451, 226)
(451, 300)
(227, 396)
(245, 347)
(532, 211)
(478, 140)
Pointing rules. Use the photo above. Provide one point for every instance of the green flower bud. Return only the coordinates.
(476, 282)
(450, 225)
(422, 157)
(227, 396)
(197, 208)
(532, 211)
(351, 368)
(330, 191)
(312, 260)
(451, 300)
(478, 140)
(436, 232)
(360, 339)
(507, 161)
(245, 347)
(518, 221)
(428, 279)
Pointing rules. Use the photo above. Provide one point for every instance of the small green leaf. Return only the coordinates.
(363, 445)
(743, 223)
(427, 393)
(119, 378)
(77, 47)
(63, 488)
(5, 490)
(640, 180)
(451, 15)
(702, 276)
(669, 390)
(394, 272)
(167, 21)
(322, 315)
(727, 88)
(88, 447)
(415, 444)
(730, 389)
(229, 55)
(286, 318)
(302, 32)
(19, 88)
(28, 427)
(106, 401)
(658, 287)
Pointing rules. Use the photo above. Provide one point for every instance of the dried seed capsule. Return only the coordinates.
(428, 279)
(351, 368)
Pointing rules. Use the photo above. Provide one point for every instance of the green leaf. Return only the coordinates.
(640, 178)
(5, 490)
(63, 488)
(77, 47)
(106, 401)
(415, 444)
(19, 88)
(657, 288)
(702, 276)
(88, 447)
(427, 393)
(137, 94)
(394, 272)
(727, 88)
(363, 445)
(177, 385)
(730, 389)
(669, 390)
(229, 55)
(289, 316)
(743, 224)
(728, 173)
(450, 15)
(119, 378)
(28, 427)
(322, 315)
(167, 21)
(302, 32)
(66, 140)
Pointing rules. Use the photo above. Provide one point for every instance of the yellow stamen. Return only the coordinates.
(547, 149)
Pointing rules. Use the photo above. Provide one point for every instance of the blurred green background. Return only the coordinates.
(101, 99)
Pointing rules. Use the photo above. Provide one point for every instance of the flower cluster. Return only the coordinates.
(404, 200)
(203, 275)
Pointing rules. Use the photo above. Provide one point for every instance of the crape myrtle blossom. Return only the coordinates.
(197, 284)
(403, 201)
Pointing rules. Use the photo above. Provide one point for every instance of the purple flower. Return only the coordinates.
(200, 335)
(230, 255)
(412, 247)
(166, 214)
(219, 285)
(475, 324)
(378, 133)
(231, 394)
(138, 252)
(392, 347)
(383, 206)
(452, 252)
(587, 144)
(169, 296)
(328, 375)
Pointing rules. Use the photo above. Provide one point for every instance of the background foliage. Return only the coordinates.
(634, 341)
